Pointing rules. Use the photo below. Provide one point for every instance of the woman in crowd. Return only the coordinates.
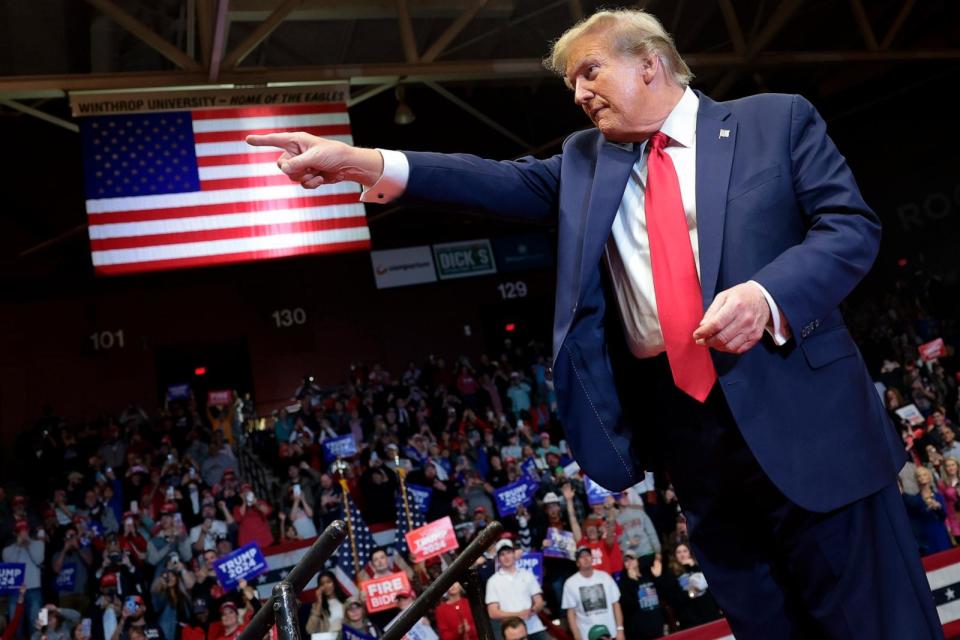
(171, 601)
(686, 590)
(643, 616)
(928, 512)
(948, 487)
(454, 618)
(355, 617)
(327, 612)
(300, 514)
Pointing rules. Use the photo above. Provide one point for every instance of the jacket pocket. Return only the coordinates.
(821, 349)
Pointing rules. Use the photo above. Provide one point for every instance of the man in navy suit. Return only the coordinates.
(704, 249)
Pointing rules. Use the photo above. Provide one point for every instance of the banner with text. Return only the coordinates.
(561, 544)
(11, 576)
(243, 564)
(222, 397)
(431, 540)
(532, 561)
(932, 350)
(403, 267)
(342, 447)
(67, 578)
(419, 497)
(381, 593)
(595, 493)
(464, 259)
(513, 495)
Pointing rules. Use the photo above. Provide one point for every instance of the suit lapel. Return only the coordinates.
(716, 140)
(614, 162)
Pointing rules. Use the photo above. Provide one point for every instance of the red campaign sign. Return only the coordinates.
(381, 593)
(219, 397)
(431, 540)
(932, 350)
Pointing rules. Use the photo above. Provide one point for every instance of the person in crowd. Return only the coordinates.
(948, 488)
(515, 592)
(639, 535)
(600, 535)
(133, 624)
(252, 518)
(13, 623)
(454, 617)
(59, 626)
(214, 524)
(687, 591)
(31, 553)
(928, 513)
(300, 513)
(78, 560)
(171, 600)
(355, 617)
(327, 611)
(643, 613)
(514, 628)
(591, 597)
(169, 537)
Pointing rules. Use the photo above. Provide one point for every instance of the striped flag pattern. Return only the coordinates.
(182, 189)
(362, 540)
(416, 517)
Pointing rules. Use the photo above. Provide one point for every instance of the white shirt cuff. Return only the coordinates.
(393, 180)
(780, 332)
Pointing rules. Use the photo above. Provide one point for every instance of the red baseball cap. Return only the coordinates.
(108, 580)
(168, 508)
(228, 605)
(20, 526)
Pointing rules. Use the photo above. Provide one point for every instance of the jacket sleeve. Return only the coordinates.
(810, 279)
(527, 188)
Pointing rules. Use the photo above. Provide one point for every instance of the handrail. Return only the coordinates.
(308, 566)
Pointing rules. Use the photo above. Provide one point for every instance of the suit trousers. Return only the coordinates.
(776, 569)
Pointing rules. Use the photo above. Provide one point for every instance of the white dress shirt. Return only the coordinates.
(628, 249)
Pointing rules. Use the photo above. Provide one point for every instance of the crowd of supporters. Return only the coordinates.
(120, 521)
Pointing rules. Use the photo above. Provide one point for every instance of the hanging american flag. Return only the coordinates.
(359, 538)
(177, 189)
(417, 520)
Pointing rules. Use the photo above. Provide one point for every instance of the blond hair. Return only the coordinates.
(632, 32)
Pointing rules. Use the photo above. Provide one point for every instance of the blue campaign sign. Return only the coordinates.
(178, 392)
(349, 633)
(529, 468)
(341, 447)
(11, 576)
(513, 495)
(243, 564)
(561, 544)
(67, 578)
(419, 497)
(532, 561)
(595, 493)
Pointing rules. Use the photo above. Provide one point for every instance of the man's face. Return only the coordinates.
(584, 561)
(380, 562)
(614, 89)
(507, 558)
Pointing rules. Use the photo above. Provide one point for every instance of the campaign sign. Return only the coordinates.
(910, 414)
(340, 447)
(219, 397)
(349, 633)
(381, 593)
(431, 540)
(532, 561)
(595, 493)
(932, 350)
(419, 497)
(529, 468)
(67, 578)
(561, 544)
(421, 631)
(178, 392)
(514, 495)
(11, 576)
(243, 564)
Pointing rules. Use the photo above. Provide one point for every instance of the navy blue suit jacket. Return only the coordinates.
(776, 203)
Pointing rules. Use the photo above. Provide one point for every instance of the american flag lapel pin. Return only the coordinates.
(724, 133)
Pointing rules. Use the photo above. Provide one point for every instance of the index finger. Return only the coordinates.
(279, 140)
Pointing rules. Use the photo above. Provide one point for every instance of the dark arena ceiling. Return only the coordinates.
(879, 71)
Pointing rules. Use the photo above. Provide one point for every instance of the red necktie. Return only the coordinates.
(675, 281)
